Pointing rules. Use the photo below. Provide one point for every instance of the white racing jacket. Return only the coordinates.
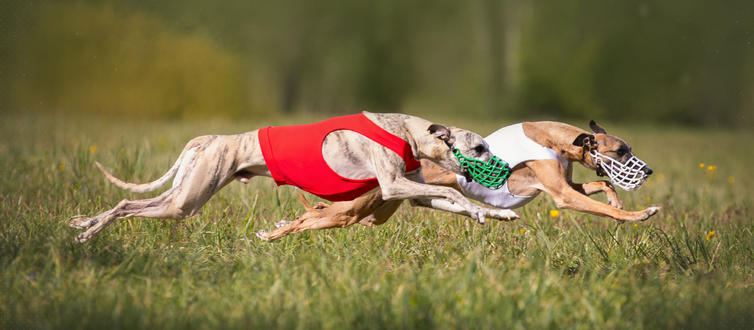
(513, 146)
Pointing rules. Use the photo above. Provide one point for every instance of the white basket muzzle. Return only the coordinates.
(629, 176)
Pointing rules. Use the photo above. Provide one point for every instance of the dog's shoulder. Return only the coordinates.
(398, 124)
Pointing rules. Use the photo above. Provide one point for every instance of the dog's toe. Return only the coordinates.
(82, 238)
(505, 215)
(282, 223)
(75, 223)
(510, 215)
(649, 212)
(81, 223)
(615, 204)
(652, 210)
(263, 235)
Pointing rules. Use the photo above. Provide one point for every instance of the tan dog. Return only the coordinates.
(208, 163)
(529, 178)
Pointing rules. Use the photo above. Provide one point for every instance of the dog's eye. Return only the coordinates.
(479, 149)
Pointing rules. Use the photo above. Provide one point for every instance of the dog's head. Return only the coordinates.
(441, 141)
(611, 156)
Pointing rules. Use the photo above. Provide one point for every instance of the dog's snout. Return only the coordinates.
(647, 170)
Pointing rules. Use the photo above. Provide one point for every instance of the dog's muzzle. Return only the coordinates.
(491, 174)
(628, 176)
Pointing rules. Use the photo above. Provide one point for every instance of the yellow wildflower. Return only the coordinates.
(122, 150)
(648, 199)
(636, 225)
(92, 149)
(711, 168)
(731, 180)
(701, 165)
(521, 231)
(554, 213)
(61, 166)
(710, 234)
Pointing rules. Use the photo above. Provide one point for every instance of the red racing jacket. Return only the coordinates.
(294, 156)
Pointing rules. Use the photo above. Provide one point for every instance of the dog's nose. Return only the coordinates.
(647, 170)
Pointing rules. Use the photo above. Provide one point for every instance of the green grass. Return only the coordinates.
(422, 269)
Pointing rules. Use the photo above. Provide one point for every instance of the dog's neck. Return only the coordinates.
(559, 137)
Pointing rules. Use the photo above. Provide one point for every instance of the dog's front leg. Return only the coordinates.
(594, 187)
(395, 186)
(403, 188)
(450, 206)
(550, 175)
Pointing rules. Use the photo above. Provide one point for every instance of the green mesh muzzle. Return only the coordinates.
(491, 174)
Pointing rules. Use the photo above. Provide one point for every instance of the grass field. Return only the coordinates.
(690, 266)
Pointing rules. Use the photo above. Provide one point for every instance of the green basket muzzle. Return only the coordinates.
(491, 174)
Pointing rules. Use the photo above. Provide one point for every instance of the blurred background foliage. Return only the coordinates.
(680, 61)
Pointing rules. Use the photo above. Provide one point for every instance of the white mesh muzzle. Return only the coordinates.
(628, 176)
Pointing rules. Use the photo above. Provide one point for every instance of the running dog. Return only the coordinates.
(541, 155)
(337, 159)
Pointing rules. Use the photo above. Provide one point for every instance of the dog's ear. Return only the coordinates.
(584, 140)
(596, 128)
(442, 133)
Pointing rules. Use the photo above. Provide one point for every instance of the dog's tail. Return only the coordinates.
(307, 206)
(146, 187)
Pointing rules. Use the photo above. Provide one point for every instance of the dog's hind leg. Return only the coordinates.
(381, 214)
(158, 207)
(369, 209)
(308, 221)
(199, 176)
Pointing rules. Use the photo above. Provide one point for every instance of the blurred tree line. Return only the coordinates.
(684, 61)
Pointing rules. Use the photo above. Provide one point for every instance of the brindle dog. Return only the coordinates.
(208, 163)
(528, 179)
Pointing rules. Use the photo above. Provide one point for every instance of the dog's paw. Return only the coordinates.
(650, 211)
(282, 223)
(506, 215)
(616, 203)
(641, 215)
(263, 235)
(479, 215)
(83, 238)
(321, 206)
(82, 223)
